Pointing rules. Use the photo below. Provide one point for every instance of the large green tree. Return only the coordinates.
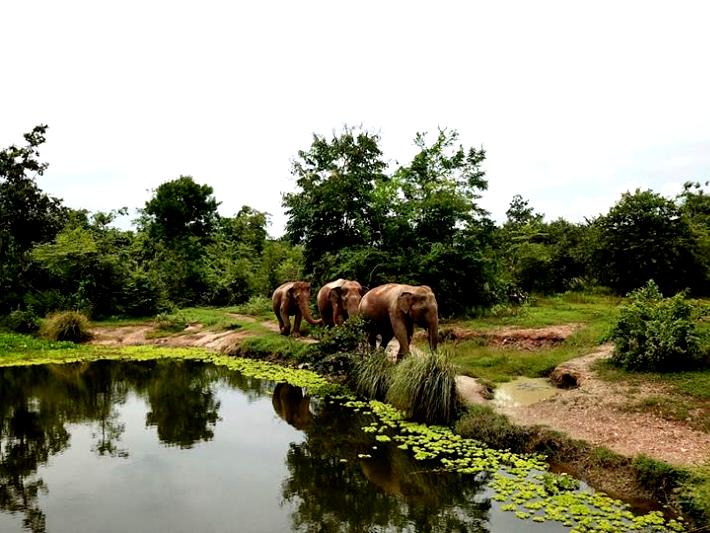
(27, 215)
(644, 236)
(435, 230)
(333, 208)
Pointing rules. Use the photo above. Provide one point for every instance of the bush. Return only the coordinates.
(256, 306)
(349, 337)
(66, 326)
(484, 424)
(656, 333)
(170, 322)
(22, 321)
(425, 388)
(372, 375)
(657, 476)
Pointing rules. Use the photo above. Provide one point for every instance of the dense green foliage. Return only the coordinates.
(656, 333)
(351, 215)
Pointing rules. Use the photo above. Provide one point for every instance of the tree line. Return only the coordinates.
(351, 216)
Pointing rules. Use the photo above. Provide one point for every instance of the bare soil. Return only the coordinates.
(596, 411)
(519, 338)
(592, 409)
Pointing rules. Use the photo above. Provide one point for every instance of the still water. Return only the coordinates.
(184, 446)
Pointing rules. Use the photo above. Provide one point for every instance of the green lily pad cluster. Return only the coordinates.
(521, 483)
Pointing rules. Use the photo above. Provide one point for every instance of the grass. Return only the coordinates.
(425, 388)
(475, 358)
(551, 310)
(372, 375)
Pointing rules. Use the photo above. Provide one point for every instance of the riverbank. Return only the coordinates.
(591, 459)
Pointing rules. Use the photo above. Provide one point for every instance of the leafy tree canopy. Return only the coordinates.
(179, 209)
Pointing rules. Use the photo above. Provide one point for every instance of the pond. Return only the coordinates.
(189, 446)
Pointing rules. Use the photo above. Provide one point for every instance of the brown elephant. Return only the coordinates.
(292, 298)
(339, 300)
(392, 311)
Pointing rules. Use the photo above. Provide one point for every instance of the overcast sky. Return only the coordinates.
(574, 102)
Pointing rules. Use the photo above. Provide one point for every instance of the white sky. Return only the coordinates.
(574, 102)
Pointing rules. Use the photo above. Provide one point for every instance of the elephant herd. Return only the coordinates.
(391, 310)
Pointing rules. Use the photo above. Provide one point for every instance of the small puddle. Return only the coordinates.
(523, 391)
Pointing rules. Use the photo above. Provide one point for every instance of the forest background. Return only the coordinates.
(350, 216)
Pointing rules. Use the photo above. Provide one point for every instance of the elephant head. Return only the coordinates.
(345, 301)
(421, 307)
(339, 300)
(292, 298)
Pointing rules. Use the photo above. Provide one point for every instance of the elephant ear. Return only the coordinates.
(405, 301)
(335, 294)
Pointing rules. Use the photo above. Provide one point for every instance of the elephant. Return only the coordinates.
(338, 301)
(393, 309)
(292, 406)
(291, 298)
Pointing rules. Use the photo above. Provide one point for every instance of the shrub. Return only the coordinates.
(657, 476)
(22, 321)
(349, 337)
(372, 375)
(656, 333)
(425, 388)
(170, 322)
(66, 326)
(256, 306)
(482, 423)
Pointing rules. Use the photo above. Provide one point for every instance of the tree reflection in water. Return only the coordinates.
(332, 490)
(37, 402)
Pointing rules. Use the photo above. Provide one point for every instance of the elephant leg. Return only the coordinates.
(284, 322)
(372, 338)
(386, 334)
(401, 332)
(297, 324)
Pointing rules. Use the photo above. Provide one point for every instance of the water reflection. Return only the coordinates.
(310, 473)
(38, 402)
(292, 405)
(334, 490)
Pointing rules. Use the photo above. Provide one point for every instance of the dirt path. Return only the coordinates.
(594, 412)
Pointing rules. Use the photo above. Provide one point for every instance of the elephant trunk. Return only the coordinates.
(307, 315)
(433, 333)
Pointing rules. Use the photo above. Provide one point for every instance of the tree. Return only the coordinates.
(27, 214)
(437, 233)
(180, 209)
(334, 207)
(644, 236)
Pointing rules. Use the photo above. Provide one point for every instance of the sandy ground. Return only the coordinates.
(592, 411)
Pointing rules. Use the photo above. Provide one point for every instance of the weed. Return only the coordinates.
(66, 326)
(425, 388)
(372, 375)
(482, 423)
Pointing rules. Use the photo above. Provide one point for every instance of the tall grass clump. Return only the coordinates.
(372, 374)
(656, 333)
(66, 326)
(425, 388)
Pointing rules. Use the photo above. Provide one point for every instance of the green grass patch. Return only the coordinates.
(499, 364)
(425, 388)
(257, 306)
(562, 309)
(273, 345)
(693, 383)
(372, 375)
